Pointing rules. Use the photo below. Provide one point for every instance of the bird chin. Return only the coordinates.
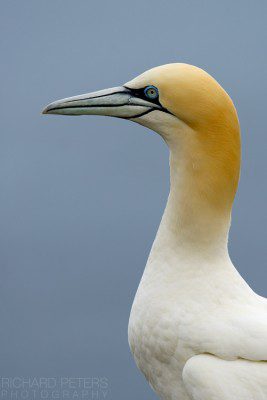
(158, 121)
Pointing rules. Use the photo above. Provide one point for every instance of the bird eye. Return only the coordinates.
(151, 92)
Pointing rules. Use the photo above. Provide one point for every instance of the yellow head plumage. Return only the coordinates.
(194, 115)
(211, 145)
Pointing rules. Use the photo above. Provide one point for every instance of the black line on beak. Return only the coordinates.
(98, 106)
(96, 97)
(143, 113)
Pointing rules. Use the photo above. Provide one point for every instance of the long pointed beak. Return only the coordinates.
(115, 102)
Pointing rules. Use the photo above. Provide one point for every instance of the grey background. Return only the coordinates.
(81, 198)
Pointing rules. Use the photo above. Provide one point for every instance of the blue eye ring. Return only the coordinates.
(151, 92)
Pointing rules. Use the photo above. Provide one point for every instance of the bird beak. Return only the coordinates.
(115, 102)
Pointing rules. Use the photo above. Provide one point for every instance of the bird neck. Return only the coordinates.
(203, 182)
(190, 222)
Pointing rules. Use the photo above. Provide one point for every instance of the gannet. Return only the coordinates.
(196, 330)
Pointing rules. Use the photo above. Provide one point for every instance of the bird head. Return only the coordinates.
(186, 106)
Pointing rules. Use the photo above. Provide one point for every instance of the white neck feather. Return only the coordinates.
(188, 224)
(193, 226)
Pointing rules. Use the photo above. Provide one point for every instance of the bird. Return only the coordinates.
(197, 331)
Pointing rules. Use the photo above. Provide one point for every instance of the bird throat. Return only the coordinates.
(203, 181)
